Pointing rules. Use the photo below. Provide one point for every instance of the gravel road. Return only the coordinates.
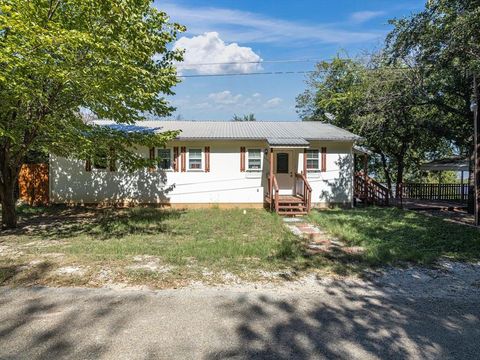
(393, 316)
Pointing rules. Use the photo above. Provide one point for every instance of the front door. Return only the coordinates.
(283, 169)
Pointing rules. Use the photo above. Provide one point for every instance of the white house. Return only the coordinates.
(287, 166)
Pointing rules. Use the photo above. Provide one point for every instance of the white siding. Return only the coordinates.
(335, 185)
(69, 182)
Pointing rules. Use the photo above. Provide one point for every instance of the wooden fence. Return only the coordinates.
(33, 184)
(424, 191)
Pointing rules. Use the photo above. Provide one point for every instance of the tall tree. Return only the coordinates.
(62, 57)
(376, 101)
(444, 41)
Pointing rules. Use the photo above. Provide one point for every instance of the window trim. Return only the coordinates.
(317, 169)
(202, 152)
(100, 169)
(247, 168)
(171, 158)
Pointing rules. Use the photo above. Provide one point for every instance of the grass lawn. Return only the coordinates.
(169, 248)
(161, 248)
(391, 235)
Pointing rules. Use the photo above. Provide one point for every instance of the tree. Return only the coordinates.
(376, 101)
(248, 117)
(444, 40)
(62, 57)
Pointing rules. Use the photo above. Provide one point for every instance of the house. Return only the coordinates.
(287, 166)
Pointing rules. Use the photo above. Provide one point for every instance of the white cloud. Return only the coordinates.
(225, 98)
(363, 16)
(210, 49)
(243, 26)
(273, 103)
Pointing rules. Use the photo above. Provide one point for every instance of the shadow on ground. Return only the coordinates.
(60, 221)
(343, 320)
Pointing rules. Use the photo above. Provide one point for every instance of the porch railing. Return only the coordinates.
(429, 191)
(303, 189)
(273, 192)
(370, 190)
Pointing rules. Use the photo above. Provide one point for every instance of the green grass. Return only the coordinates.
(391, 235)
(190, 243)
(211, 245)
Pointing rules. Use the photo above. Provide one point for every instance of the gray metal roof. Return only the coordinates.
(457, 163)
(287, 142)
(244, 130)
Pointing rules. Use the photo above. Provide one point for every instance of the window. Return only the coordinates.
(100, 159)
(195, 159)
(313, 162)
(164, 157)
(282, 163)
(254, 159)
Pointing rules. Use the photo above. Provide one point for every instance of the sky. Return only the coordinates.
(248, 36)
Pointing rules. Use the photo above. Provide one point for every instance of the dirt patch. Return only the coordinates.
(149, 263)
(445, 278)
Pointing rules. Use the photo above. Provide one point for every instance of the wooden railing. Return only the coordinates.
(303, 189)
(370, 191)
(429, 191)
(273, 192)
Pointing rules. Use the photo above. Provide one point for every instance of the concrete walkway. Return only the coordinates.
(317, 240)
(344, 319)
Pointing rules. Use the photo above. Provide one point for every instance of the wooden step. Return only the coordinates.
(292, 207)
(292, 213)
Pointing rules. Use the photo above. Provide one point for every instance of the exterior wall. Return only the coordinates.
(335, 185)
(224, 184)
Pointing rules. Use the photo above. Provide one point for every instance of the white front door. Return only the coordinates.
(284, 172)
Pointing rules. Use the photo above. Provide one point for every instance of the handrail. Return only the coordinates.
(277, 191)
(371, 190)
(307, 190)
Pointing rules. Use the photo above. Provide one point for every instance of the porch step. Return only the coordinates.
(292, 207)
(292, 213)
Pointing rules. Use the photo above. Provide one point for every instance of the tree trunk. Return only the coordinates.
(9, 215)
(386, 171)
(400, 170)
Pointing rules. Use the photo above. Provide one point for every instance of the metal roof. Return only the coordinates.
(456, 163)
(244, 130)
(287, 142)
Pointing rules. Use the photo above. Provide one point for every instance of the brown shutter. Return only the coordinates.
(112, 160)
(305, 161)
(242, 159)
(152, 157)
(175, 159)
(184, 158)
(207, 158)
(88, 165)
(324, 159)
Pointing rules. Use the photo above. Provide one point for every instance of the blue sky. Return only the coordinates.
(245, 31)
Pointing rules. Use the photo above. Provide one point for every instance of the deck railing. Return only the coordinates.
(429, 191)
(370, 191)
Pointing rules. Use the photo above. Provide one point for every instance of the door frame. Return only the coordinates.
(286, 190)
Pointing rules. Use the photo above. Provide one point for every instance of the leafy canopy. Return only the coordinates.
(63, 57)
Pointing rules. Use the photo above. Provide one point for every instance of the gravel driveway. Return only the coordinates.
(313, 319)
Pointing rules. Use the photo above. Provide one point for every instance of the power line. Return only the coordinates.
(285, 72)
(252, 62)
(248, 74)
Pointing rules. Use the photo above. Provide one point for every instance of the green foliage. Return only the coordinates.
(248, 117)
(62, 58)
(377, 101)
(444, 40)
